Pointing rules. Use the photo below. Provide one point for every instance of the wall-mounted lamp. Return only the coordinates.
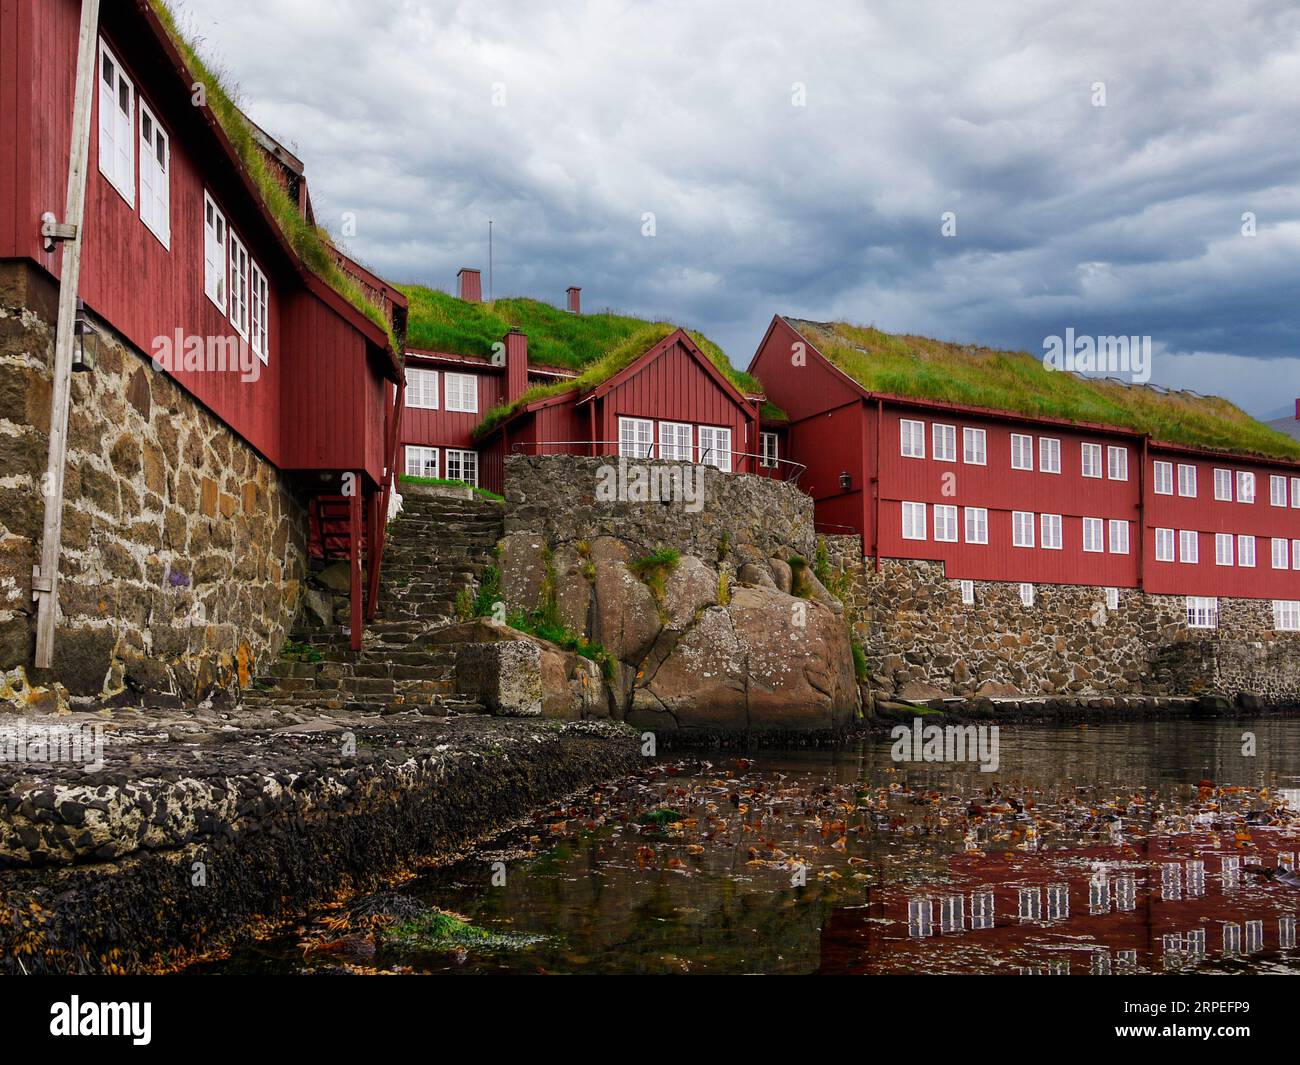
(86, 348)
(846, 482)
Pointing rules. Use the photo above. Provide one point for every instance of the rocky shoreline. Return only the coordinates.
(194, 830)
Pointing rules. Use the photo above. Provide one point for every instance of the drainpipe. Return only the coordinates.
(875, 487)
(45, 574)
(1142, 517)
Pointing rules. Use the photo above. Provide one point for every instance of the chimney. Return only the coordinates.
(575, 307)
(470, 285)
(516, 364)
(1297, 410)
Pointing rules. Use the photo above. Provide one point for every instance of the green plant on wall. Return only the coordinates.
(654, 569)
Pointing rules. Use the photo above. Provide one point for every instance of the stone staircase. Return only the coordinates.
(436, 547)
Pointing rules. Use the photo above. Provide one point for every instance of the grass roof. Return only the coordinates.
(310, 242)
(597, 346)
(1017, 381)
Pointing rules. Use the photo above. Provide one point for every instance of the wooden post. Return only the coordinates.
(354, 560)
(45, 576)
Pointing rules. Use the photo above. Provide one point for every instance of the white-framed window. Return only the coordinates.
(155, 177)
(1094, 533)
(1245, 486)
(1187, 480)
(1090, 455)
(1286, 615)
(1162, 478)
(1295, 554)
(1050, 525)
(977, 525)
(1281, 553)
(1223, 549)
(421, 388)
(1223, 485)
(945, 523)
(1118, 537)
(1246, 551)
(1026, 595)
(1117, 463)
(911, 439)
(945, 442)
(913, 521)
(421, 461)
(1022, 452)
(1277, 491)
(462, 466)
(1295, 491)
(636, 437)
(1112, 598)
(1049, 455)
(116, 125)
(676, 440)
(460, 392)
(238, 286)
(1202, 612)
(768, 445)
(1022, 528)
(967, 592)
(1189, 548)
(214, 252)
(974, 446)
(258, 318)
(715, 447)
(1164, 545)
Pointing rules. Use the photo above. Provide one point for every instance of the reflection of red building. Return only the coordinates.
(1052, 913)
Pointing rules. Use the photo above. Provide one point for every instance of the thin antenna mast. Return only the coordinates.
(490, 289)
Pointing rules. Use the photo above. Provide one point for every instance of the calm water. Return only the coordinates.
(1106, 849)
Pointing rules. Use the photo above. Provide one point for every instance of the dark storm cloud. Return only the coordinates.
(566, 122)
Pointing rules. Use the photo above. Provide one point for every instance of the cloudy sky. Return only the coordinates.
(800, 158)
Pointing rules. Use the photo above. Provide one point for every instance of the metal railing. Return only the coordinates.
(789, 471)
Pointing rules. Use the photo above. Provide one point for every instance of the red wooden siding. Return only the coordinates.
(444, 428)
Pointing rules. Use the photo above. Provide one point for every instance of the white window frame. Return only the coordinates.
(419, 453)
(1162, 478)
(1224, 549)
(1112, 598)
(259, 318)
(1090, 461)
(1189, 547)
(671, 446)
(1277, 490)
(1022, 451)
(1050, 531)
(1026, 594)
(967, 592)
(636, 437)
(1187, 480)
(1222, 485)
(1245, 486)
(1286, 615)
(979, 516)
(715, 446)
(460, 456)
(911, 438)
(116, 138)
(1118, 536)
(1022, 528)
(1165, 545)
(974, 446)
(1094, 533)
(215, 237)
(1246, 551)
(1281, 552)
(422, 385)
(463, 389)
(914, 521)
(1116, 463)
(944, 442)
(1295, 492)
(238, 291)
(1202, 612)
(769, 447)
(945, 523)
(1295, 554)
(155, 178)
(1049, 454)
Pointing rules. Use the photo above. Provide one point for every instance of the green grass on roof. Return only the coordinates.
(1016, 381)
(310, 242)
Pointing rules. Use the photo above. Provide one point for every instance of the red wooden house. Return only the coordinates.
(178, 241)
(997, 495)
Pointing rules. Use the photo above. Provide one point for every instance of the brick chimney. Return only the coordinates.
(1297, 410)
(516, 364)
(575, 307)
(470, 285)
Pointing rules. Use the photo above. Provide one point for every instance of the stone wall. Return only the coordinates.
(183, 550)
(922, 642)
